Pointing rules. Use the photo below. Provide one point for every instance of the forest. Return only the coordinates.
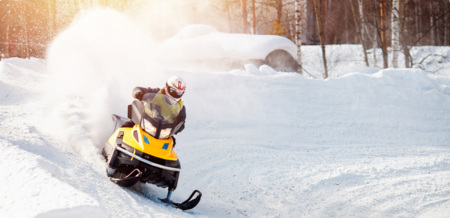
(28, 26)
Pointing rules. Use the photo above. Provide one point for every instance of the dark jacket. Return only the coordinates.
(139, 92)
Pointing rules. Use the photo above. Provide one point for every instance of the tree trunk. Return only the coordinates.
(375, 47)
(244, 16)
(446, 25)
(408, 59)
(384, 32)
(51, 18)
(279, 26)
(323, 16)
(347, 30)
(376, 30)
(321, 37)
(253, 17)
(230, 29)
(395, 33)
(279, 10)
(432, 24)
(310, 32)
(358, 33)
(291, 28)
(403, 41)
(8, 24)
(24, 31)
(417, 21)
(298, 35)
(363, 21)
(24, 51)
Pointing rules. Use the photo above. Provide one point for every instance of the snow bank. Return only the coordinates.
(354, 109)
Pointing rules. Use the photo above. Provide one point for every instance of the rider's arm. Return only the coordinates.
(138, 92)
(181, 117)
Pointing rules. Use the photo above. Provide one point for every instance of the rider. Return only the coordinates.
(175, 87)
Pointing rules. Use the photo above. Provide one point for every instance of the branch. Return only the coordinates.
(420, 64)
(431, 27)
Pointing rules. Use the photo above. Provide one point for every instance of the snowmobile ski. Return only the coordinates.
(187, 204)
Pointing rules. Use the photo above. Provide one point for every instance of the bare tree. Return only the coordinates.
(8, 26)
(416, 14)
(384, 32)
(402, 38)
(358, 32)
(25, 48)
(51, 17)
(298, 34)
(279, 9)
(363, 21)
(244, 16)
(395, 31)
(373, 28)
(446, 25)
(320, 26)
(253, 17)
(418, 22)
(375, 47)
(432, 23)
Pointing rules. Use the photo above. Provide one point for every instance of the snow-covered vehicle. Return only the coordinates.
(143, 150)
(202, 44)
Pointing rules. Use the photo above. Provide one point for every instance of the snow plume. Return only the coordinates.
(166, 18)
(93, 66)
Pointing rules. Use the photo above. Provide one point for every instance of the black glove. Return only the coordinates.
(174, 142)
(138, 93)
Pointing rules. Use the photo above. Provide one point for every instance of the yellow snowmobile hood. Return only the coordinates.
(139, 140)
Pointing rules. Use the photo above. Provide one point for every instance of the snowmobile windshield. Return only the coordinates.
(161, 108)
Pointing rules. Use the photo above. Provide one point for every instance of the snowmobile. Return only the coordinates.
(141, 149)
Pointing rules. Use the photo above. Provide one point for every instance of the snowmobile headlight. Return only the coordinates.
(148, 127)
(165, 133)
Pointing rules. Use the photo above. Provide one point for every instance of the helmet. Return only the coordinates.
(175, 87)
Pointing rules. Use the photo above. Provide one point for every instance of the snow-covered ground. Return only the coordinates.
(258, 143)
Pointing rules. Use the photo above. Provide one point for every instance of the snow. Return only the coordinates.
(258, 143)
(203, 42)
